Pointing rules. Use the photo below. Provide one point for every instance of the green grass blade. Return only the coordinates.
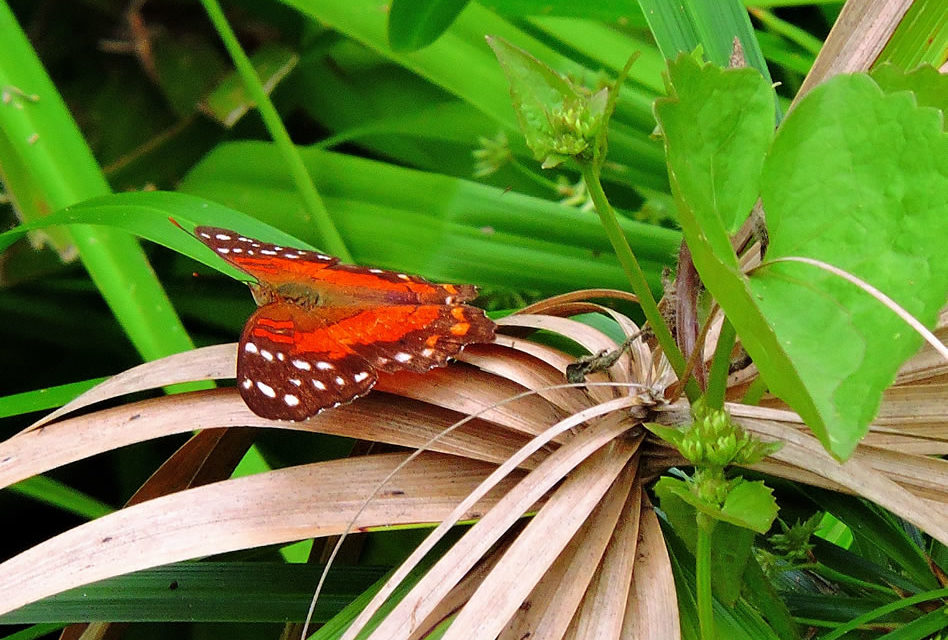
(41, 399)
(38, 131)
(679, 27)
(413, 24)
(292, 161)
(66, 498)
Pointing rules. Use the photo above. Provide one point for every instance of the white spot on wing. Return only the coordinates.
(237, 250)
(292, 256)
(281, 356)
(247, 383)
(266, 389)
(266, 355)
(267, 252)
(295, 382)
(428, 353)
(223, 250)
(319, 385)
(375, 271)
(324, 366)
(340, 381)
(401, 356)
(302, 364)
(362, 375)
(323, 256)
(222, 236)
(250, 347)
(205, 235)
(291, 400)
(403, 276)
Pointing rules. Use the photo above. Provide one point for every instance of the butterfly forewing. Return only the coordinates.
(262, 260)
(325, 329)
(416, 338)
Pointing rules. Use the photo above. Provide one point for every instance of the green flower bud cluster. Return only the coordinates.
(714, 440)
(711, 487)
(571, 127)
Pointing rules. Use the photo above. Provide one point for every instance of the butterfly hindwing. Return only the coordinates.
(280, 380)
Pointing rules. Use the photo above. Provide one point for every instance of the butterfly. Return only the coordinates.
(324, 330)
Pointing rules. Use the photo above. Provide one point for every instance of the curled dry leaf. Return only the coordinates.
(591, 562)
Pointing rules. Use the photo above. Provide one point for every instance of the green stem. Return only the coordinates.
(636, 277)
(717, 377)
(333, 242)
(703, 576)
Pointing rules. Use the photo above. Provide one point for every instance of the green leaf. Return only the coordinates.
(205, 591)
(717, 125)
(855, 179)
(750, 504)
(730, 545)
(53, 167)
(413, 24)
(434, 225)
(929, 87)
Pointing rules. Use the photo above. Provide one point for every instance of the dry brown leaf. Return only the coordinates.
(604, 605)
(653, 602)
(451, 568)
(269, 508)
(549, 608)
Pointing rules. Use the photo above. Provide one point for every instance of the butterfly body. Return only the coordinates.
(325, 329)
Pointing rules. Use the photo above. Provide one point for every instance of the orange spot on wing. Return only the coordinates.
(458, 313)
(260, 332)
(460, 328)
(450, 288)
(432, 341)
(276, 324)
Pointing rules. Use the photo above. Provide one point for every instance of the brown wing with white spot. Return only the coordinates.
(268, 263)
(279, 379)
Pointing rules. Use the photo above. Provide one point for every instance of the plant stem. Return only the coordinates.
(717, 376)
(703, 576)
(636, 277)
(333, 242)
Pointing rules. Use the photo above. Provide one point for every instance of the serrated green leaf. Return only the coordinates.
(717, 125)
(750, 505)
(929, 87)
(855, 179)
(730, 544)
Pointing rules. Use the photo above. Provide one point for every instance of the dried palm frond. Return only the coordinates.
(591, 562)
